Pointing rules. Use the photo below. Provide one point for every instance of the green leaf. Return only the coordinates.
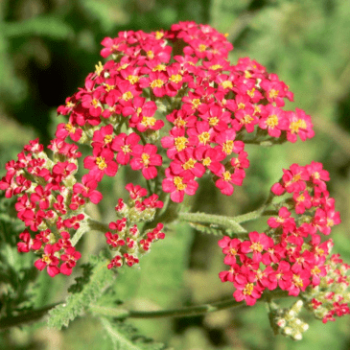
(126, 337)
(96, 284)
(45, 26)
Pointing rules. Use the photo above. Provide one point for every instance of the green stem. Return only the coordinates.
(190, 311)
(230, 222)
(26, 317)
(88, 225)
(253, 215)
(36, 315)
(212, 219)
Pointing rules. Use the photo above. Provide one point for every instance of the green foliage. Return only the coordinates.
(44, 26)
(81, 281)
(96, 284)
(126, 337)
(16, 271)
(305, 42)
(161, 272)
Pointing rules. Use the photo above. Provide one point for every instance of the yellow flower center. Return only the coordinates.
(206, 161)
(70, 128)
(175, 78)
(159, 68)
(202, 47)
(235, 162)
(251, 92)
(227, 84)
(133, 79)
(145, 159)
(247, 119)
(139, 110)
(216, 67)
(70, 104)
(227, 176)
(98, 68)
(227, 147)
(248, 290)
(297, 281)
(101, 163)
(108, 139)
(148, 121)
(330, 222)
(180, 143)
(158, 83)
(178, 183)
(233, 252)
(301, 198)
(126, 149)
(204, 137)
(296, 177)
(180, 122)
(241, 105)
(295, 126)
(46, 259)
(94, 102)
(315, 271)
(257, 110)
(123, 66)
(127, 96)
(213, 121)
(109, 87)
(189, 164)
(257, 247)
(159, 35)
(196, 102)
(319, 251)
(150, 54)
(273, 93)
(247, 74)
(272, 121)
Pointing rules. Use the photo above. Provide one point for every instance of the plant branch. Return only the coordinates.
(36, 315)
(212, 219)
(88, 225)
(190, 311)
(26, 317)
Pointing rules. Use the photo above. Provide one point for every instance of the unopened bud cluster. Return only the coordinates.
(331, 297)
(124, 237)
(286, 322)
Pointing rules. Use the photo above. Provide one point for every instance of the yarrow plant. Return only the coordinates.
(170, 106)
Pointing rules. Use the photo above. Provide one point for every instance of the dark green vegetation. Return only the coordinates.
(46, 50)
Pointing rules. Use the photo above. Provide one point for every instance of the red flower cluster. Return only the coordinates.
(127, 241)
(290, 254)
(209, 103)
(180, 77)
(49, 202)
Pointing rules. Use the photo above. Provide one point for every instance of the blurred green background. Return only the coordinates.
(47, 47)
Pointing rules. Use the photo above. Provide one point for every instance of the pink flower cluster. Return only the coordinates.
(125, 239)
(209, 104)
(170, 105)
(49, 202)
(290, 255)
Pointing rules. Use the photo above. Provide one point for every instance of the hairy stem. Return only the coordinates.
(36, 315)
(212, 219)
(89, 225)
(202, 309)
